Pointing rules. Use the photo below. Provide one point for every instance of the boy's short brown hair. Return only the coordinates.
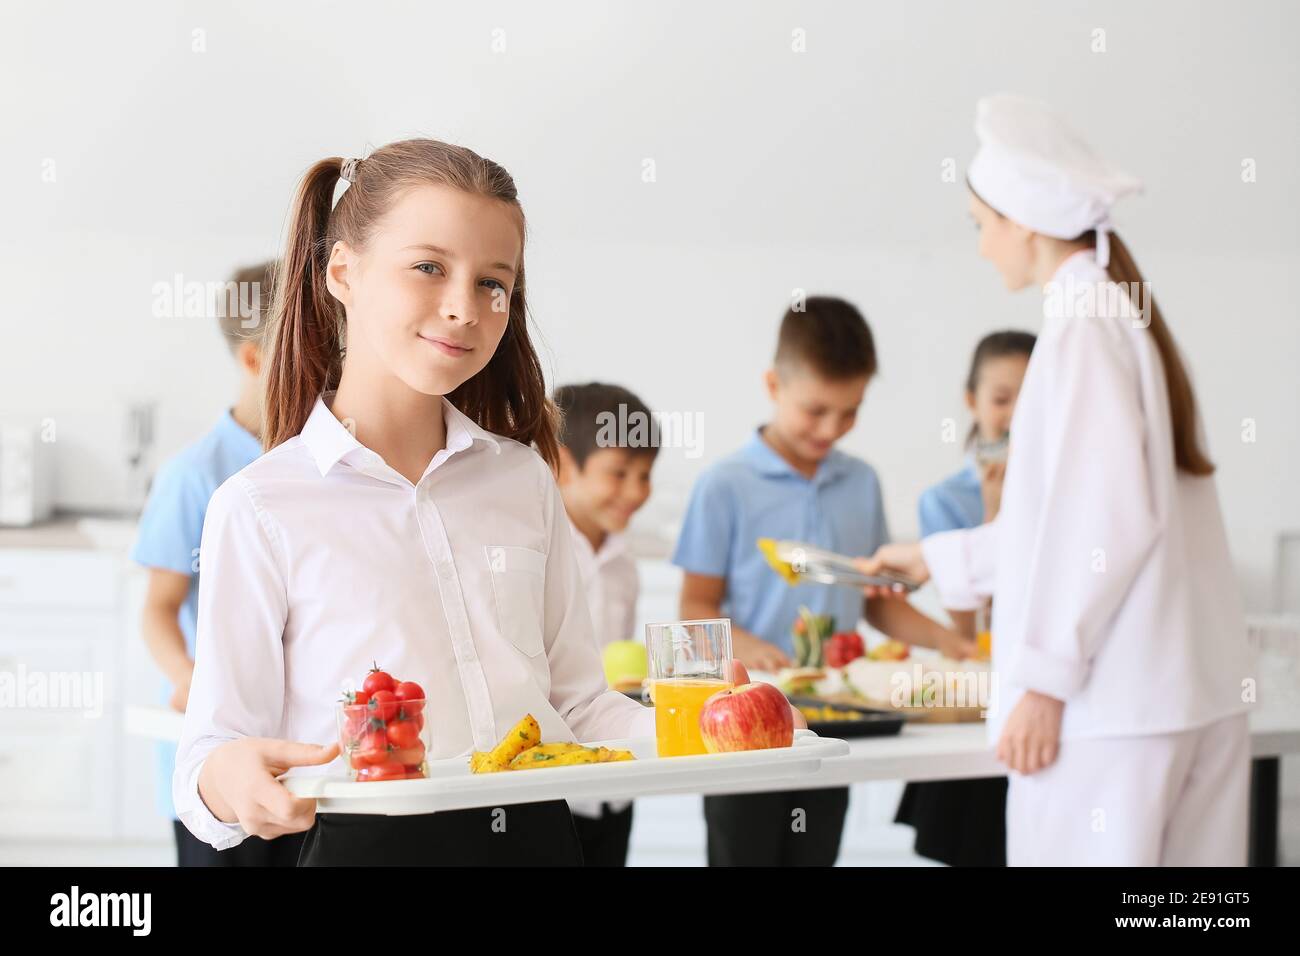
(245, 304)
(829, 337)
(586, 411)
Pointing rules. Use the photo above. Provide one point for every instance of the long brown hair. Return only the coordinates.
(308, 330)
(1189, 456)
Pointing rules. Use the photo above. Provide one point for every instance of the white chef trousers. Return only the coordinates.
(1161, 800)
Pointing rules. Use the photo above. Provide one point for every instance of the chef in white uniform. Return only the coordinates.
(1122, 670)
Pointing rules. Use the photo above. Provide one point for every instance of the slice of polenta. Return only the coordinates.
(605, 755)
(480, 762)
(527, 733)
(522, 735)
(548, 755)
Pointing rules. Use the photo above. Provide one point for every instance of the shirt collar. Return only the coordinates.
(614, 544)
(329, 441)
(766, 461)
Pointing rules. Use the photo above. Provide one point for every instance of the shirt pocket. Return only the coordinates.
(519, 591)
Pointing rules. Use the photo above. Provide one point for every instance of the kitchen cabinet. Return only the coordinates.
(59, 643)
(71, 656)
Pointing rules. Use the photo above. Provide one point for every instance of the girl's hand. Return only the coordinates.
(991, 476)
(758, 654)
(905, 559)
(1031, 736)
(739, 675)
(238, 784)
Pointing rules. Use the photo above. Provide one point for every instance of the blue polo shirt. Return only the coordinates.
(754, 493)
(171, 528)
(953, 503)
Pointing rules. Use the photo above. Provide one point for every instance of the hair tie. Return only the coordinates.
(1102, 251)
(349, 170)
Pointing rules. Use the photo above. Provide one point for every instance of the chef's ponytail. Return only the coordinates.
(1189, 456)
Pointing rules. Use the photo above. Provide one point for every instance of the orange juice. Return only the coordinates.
(984, 641)
(678, 703)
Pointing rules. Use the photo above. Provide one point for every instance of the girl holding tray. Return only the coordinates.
(404, 512)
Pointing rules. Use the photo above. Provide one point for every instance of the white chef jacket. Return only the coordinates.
(318, 558)
(612, 584)
(1112, 585)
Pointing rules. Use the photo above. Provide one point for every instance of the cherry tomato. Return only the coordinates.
(411, 710)
(383, 705)
(360, 759)
(388, 770)
(411, 755)
(373, 749)
(414, 772)
(378, 680)
(403, 733)
(409, 690)
(355, 721)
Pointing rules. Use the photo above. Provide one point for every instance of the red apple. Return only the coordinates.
(749, 717)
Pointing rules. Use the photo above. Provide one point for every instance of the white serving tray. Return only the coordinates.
(451, 786)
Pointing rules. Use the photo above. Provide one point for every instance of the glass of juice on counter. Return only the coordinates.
(690, 661)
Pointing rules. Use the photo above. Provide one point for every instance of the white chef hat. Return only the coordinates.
(1033, 168)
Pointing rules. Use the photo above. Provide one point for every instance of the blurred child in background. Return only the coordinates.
(603, 485)
(790, 482)
(963, 822)
(168, 545)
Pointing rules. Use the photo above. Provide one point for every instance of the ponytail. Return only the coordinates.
(1189, 456)
(306, 333)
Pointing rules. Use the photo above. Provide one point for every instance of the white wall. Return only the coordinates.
(776, 170)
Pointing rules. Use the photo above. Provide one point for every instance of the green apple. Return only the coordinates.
(625, 660)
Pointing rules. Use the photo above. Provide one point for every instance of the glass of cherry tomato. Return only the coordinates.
(382, 731)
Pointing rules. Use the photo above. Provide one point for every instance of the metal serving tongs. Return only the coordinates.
(801, 563)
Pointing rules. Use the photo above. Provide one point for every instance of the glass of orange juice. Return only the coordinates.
(984, 630)
(690, 661)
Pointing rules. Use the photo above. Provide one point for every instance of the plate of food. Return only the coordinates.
(835, 668)
(847, 721)
(933, 690)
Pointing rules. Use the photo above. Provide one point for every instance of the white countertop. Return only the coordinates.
(920, 752)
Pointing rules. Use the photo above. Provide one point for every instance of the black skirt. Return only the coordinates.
(526, 834)
(958, 822)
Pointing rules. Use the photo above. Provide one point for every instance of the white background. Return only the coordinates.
(776, 170)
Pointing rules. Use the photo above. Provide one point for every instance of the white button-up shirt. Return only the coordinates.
(318, 558)
(1112, 584)
(612, 585)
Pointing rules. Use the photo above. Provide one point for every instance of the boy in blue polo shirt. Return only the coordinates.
(790, 482)
(167, 544)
